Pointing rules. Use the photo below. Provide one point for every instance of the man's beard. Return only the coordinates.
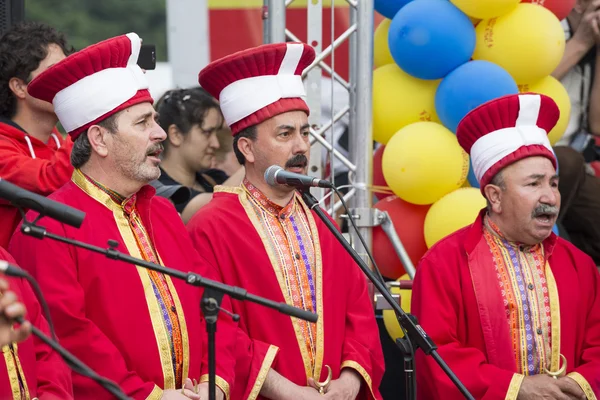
(136, 170)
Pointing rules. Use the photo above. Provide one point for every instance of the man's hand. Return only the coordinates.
(571, 388)
(175, 394)
(276, 387)
(541, 387)
(10, 309)
(346, 387)
(588, 31)
(203, 391)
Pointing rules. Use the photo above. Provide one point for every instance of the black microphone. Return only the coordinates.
(20, 197)
(73, 362)
(275, 175)
(12, 270)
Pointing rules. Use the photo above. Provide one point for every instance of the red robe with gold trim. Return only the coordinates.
(105, 311)
(50, 169)
(457, 299)
(47, 377)
(347, 333)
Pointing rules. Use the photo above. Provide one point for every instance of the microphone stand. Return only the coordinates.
(211, 299)
(211, 305)
(414, 331)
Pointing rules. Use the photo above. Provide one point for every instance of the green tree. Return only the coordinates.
(90, 21)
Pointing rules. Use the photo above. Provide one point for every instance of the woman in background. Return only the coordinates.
(191, 119)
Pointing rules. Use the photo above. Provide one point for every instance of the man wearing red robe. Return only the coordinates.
(33, 154)
(30, 369)
(514, 309)
(139, 328)
(267, 240)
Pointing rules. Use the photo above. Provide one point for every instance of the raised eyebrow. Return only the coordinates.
(305, 126)
(286, 127)
(537, 177)
(146, 116)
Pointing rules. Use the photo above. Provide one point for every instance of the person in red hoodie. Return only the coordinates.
(33, 155)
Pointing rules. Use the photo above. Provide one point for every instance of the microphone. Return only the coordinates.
(275, 175)
(73, 362)
(12, 270)
(20, 197)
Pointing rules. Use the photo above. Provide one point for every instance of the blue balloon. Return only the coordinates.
(471, 177)
(430, 38)
(389, 8)
(555, 230)
(468, 87)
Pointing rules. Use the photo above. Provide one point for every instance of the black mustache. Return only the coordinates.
(154, 149)
(298, 159)
(545, 209)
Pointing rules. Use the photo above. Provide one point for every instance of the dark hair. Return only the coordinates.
(184, 108)
(250, 133)
(22, 48)
(82, 149)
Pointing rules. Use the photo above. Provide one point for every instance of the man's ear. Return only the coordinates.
(493, 194)
(246, 147)
(98, 138)
(18, 87)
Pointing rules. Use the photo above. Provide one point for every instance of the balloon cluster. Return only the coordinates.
(435, 61)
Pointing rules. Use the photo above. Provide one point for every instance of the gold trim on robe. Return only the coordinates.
(250, 212)
(583, 384)
(182, 324)
(320, 347)
(160, 331)
(11, 368)
(264, 370)
(555, 319)
(358, 368)
(220, 383)
(515, 386)
(155, 394)
(20, 371)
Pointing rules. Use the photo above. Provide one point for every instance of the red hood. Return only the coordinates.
(18, 135)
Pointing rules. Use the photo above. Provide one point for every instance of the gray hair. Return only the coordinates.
(250, 132)
(497, 180)
(82, 149)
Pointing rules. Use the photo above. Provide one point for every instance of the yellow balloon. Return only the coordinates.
(381, 48)
(399, 100)
(451, 213)
(484, 9)
(475, 21)
(553, 88)
(528, 43)
(423, 162)
(389, 316)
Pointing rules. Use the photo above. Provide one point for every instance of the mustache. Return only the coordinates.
(544, 209)
(155, 148)
(298, 159)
